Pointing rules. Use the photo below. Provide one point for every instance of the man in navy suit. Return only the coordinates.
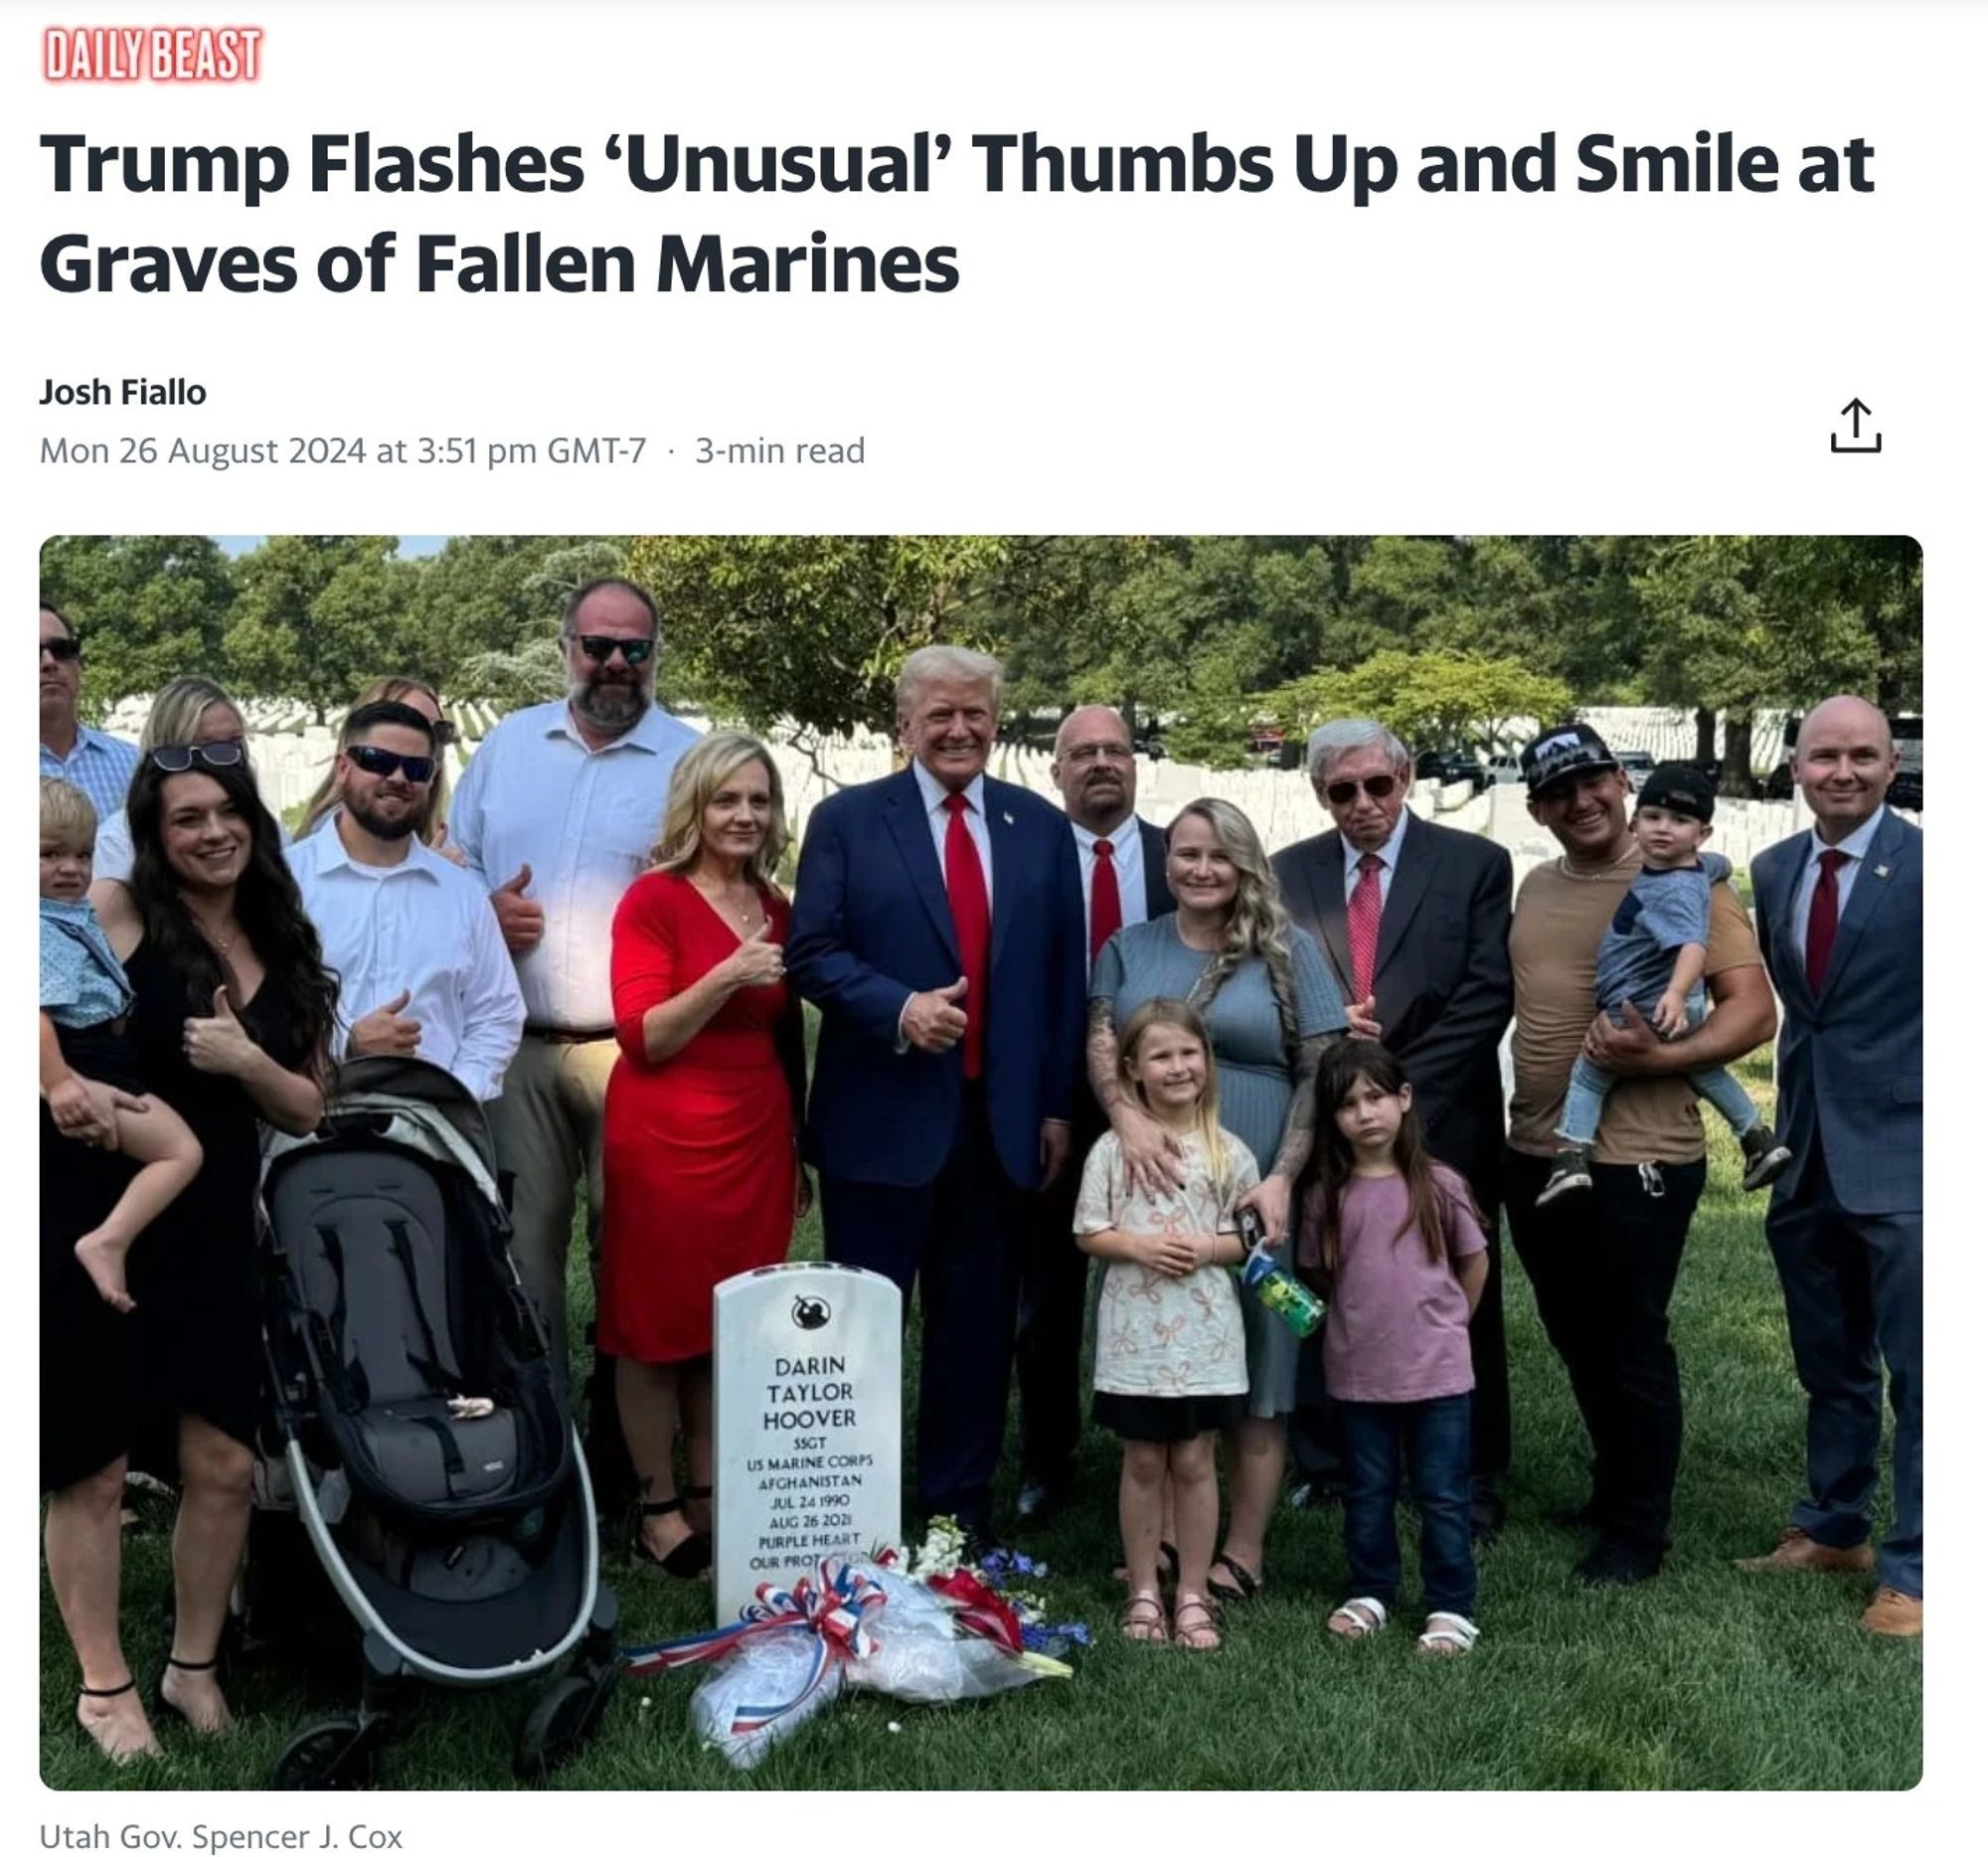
(1841, 925)
(938, 925)
(1122, 876)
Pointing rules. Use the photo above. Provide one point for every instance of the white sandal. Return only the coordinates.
(1366, 1615)
(1447, 1628)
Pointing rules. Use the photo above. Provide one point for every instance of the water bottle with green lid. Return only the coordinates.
(1275, 1287)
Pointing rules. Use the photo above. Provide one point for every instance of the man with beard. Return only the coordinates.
(422, 964)
(559, 812)
(1122, 874)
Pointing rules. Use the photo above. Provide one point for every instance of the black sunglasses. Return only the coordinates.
(179, 756)
(633, 651)
(1375, 786)
(419, 769)
(63, 650)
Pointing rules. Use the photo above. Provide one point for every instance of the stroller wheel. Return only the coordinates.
(560, 1723)
(336, 1755)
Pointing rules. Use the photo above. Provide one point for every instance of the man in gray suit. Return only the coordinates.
(1841, 925)
(1414, 920)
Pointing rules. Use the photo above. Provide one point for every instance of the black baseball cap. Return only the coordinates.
(1571, 747)
(1678, 786)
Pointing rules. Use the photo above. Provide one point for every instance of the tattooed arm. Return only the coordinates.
(1272, 1199)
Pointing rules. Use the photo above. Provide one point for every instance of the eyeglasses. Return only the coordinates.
(1375, 786)
(177, 758)
(633, 652)
(1097, 751)
(419, 769)
(63, 650)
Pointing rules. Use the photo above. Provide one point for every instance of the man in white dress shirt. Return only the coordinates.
(1123, 872)
(559, 812)
(422, 967)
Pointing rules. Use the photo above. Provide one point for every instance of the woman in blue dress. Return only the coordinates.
(1272, 1008)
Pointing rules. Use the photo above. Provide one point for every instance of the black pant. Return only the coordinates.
(1602, 1265)
(959, 1239)
(1049, 1331)
(1316, 1449)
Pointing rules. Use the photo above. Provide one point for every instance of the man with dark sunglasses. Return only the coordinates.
(1414, 919)
(423, 968)
(100, 763)
(559, 812)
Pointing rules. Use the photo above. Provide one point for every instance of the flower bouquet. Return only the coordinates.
(918, 1636)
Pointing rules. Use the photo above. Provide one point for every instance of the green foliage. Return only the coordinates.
(150, 607)
(1430, 699)
(317, 616)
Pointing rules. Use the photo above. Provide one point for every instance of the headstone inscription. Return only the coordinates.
(807, 1419)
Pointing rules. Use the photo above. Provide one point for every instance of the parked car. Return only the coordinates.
(1451, 764)
(1638, 763)
(1505, 771)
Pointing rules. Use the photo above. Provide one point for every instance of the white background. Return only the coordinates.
(1269, 363)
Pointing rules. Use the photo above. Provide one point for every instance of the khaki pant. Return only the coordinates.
(547, 1125)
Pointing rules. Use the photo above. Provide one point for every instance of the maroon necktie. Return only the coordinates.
(1363, 924)
(1822, 918)
(1106, 916)
(966, 892)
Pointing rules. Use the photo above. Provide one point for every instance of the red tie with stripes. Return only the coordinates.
(1107, 915)
(1822, 918)
(966, 893)
(1363, 924)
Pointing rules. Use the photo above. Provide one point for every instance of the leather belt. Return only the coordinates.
(559, 1034)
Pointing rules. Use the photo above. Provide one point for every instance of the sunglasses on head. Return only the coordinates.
(633, 651)
(1375, 786)
(63, 650)
(419, 769)
(177, 758)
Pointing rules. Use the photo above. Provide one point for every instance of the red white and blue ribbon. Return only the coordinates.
(833, 1609)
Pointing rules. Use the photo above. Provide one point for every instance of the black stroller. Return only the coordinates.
(415, 1428)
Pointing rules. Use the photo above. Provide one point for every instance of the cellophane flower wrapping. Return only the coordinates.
(920, 1655)
(762, 1693)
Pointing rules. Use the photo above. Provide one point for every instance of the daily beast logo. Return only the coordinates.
(152, 54)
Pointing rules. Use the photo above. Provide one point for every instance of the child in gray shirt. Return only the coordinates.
(1653, 956)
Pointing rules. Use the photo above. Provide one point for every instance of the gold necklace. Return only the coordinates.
(224, 946)
(1595, 877)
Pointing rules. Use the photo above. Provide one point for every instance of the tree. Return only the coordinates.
(316, 617)
(1430, 699)
(812, 629)
(149, 606)
(489, 596)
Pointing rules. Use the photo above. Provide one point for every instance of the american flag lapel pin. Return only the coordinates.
(1007, 818)
(1884, 870)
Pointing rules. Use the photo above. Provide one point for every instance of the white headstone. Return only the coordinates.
(807, 1418)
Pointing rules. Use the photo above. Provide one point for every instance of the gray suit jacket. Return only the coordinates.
(1850, 1073)
(1442, 975)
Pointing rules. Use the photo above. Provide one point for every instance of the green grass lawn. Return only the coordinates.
(1704, 1679)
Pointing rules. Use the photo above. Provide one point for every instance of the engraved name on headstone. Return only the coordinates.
(807, 1419)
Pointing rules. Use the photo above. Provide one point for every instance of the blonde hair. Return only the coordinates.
(174, 718)
(1258, 927)
(697, 778)
(68, 817)
(1208, 1110)
(387, 689)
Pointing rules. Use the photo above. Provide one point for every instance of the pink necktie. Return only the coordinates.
(1363, 923)
(1822, 918)
(1106, 915)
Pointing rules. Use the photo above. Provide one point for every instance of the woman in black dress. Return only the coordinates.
(231, 1026)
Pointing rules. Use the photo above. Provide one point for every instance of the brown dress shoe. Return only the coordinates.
(1893, 1613)
(1799, 1551)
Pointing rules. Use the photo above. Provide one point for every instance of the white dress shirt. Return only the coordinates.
(586, 820)
(424, 926)
(1389, 853)
(1128, 860)
(936, 795)
(1856, 848)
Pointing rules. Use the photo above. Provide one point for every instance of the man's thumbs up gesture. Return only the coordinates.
(522, 922)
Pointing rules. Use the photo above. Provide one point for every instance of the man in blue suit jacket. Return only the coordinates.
(1098, 774)
(942, 1097)
(1841, 926)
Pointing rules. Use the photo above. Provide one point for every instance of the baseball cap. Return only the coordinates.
(1679, 787)
(1571, 747)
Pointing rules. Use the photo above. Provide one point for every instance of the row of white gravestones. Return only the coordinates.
(807, 1420)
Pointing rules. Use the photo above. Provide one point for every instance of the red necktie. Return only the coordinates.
(1363, 924)
(1106, 916)
(966, 892)
(1822, 918)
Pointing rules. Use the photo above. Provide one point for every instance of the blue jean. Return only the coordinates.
(1587, 1089)
(1432, 1436)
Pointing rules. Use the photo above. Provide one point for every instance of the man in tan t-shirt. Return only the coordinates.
(1602, 1263)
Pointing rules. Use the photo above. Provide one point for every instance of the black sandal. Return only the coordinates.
(689, 1559)
(165, 1702)
(1246, 1587)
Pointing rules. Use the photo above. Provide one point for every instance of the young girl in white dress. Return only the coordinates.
(1170, 1371)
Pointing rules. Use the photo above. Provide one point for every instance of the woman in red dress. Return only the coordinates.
(703, 1109)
